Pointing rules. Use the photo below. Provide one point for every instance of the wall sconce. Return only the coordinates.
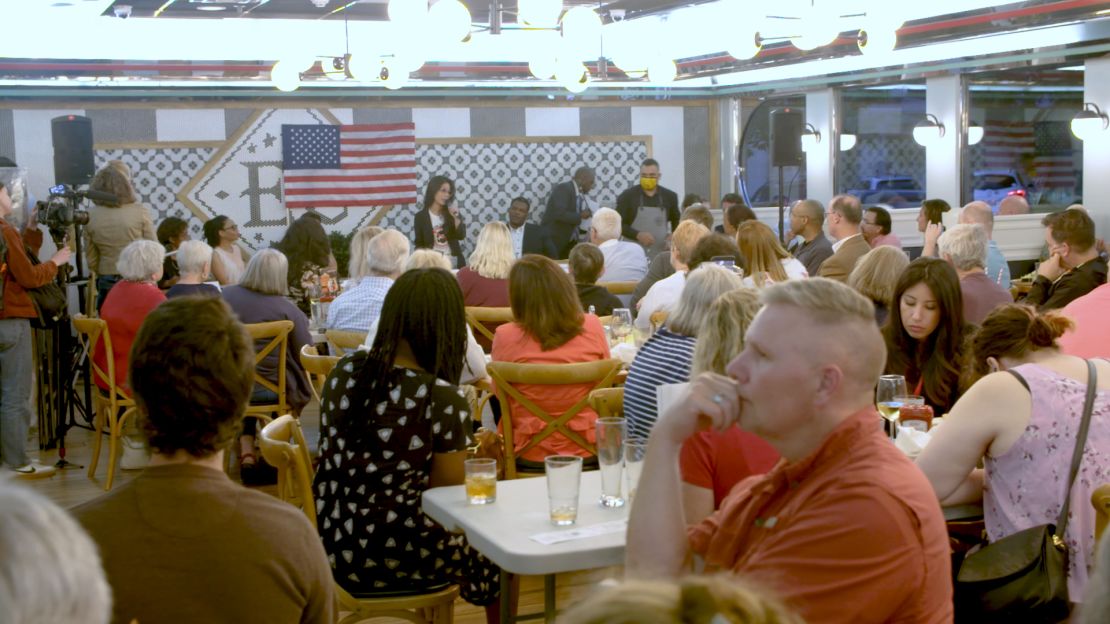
(1089, 123)
(974, 134)
(847, 142)
(928, 131)
(810, 137)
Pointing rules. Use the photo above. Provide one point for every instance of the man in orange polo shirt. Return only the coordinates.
(844, 528)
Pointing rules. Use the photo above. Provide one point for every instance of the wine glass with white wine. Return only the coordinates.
(890, 387)
(621, 324)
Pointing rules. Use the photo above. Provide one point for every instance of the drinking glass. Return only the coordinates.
(890, 387)
(635, 449)
(610, 441)
(318, 314)
(621, 325)
(564, 473)
(481, 481)
(903, 399)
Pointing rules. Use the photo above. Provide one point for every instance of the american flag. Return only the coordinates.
(1043, 149)
(338, 166)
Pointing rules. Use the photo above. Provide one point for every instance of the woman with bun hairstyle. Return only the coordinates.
(1021, 418)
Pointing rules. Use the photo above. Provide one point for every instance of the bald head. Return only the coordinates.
(978, 213)
(812, 209)
(1013, 205)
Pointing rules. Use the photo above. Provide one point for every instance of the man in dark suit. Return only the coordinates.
(528, 238)
(649, 212)
(566, 209)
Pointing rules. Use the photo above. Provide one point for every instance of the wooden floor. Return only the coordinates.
(71, 486)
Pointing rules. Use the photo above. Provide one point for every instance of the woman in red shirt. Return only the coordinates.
(550, 328)
(485, 282)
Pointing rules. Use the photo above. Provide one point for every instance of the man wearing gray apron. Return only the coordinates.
(649, 212)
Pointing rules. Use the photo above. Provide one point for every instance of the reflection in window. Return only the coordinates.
(760, 179)
(885, 166)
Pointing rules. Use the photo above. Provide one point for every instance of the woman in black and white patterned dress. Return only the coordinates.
(391, 428)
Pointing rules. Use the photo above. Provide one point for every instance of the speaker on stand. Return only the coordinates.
(73, 150)
(786, 151)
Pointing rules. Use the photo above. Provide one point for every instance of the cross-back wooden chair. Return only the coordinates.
(343, 342)
(283, 445)
(1101, 501)
(619, 288)
(478, 317)
(277, 335)
(658, 318)
(608, 402)
(106, 403)
(507, 375)
(317, 367)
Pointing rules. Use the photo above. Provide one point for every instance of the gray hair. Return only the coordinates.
(965, 245)
(140, 260)
(193, 256)
(703, 286)
(51, 570)
(387, 252)
(427, 259)
(358, 266)
(607, 224)
(267, 273)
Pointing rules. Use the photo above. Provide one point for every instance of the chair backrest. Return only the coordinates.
(619, 288)
(277, 332)
(657, 319)
(91, 332)
(283, 445)
(317, 367)
(343, 342)
(1101, 501)
(507, 375)
(478, 316)
(608, 402)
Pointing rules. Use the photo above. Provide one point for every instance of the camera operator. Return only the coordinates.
(15, 339)
(112, 225)
(21, 197)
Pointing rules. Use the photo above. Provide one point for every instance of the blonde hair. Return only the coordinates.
(703, 286)
(762, 250)
(686, 237)
(829, 302)
(876, 273)
(427, 259)
(266, 273)
(493, 252)
(721, 337)
(693, 600)
(358, 266)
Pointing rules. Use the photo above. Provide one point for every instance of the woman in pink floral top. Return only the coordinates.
(1022, 418)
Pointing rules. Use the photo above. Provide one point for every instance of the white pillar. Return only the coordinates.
(821, 111)
(728, 142)
(944, 97)
(1096, 154)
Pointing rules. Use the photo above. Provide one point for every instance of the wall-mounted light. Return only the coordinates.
(928, 131)
(1089, 123)
(847, 142)
(974, 134)
(810, 137)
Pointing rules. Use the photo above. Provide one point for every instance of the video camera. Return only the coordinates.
(60, 210)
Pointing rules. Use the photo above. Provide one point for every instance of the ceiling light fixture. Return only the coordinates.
(928, 131)
(1089, 123)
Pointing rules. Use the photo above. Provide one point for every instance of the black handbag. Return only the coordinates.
(1023, 577)
(49, 300)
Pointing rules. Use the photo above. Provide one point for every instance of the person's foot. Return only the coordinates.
(135, 455)
(34, 470)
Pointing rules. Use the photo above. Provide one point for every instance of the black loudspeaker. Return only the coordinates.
(73, 150)
(786, 137)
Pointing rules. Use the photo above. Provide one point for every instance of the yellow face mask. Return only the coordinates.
(649, 184)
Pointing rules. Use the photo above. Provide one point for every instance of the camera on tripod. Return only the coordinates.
(60, 210)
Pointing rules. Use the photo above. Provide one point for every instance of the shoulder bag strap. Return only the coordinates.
(1080, 442)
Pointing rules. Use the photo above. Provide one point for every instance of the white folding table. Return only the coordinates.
(501, 531)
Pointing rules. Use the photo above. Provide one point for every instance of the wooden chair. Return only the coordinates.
(343, 342)
(605, 320)
(106, 403)
(507, 375)
(283, 445)
(277, 332)
(1101, 501)
(658, 318)
(478, 316)
(317, 367)
(619, 288)
(608, 402)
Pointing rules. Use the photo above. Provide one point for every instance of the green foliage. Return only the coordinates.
(341, 249)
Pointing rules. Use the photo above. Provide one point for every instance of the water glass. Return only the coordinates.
(635, 450)
(564, 474)
(481, 481)
(621, 325)
(890, 387)
(610, 452)
(319, 313)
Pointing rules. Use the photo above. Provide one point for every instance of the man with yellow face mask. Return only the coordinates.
(649, 212)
